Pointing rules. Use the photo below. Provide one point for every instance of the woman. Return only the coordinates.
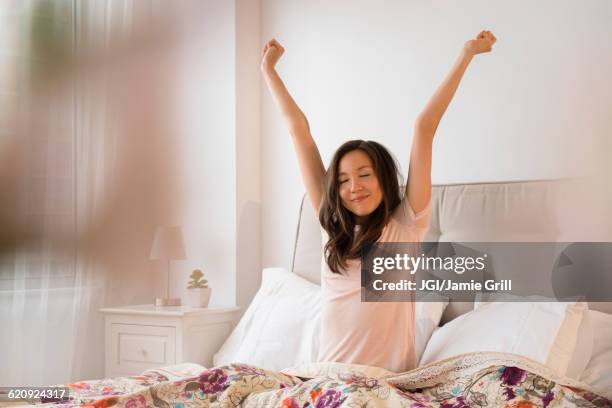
(358, 200)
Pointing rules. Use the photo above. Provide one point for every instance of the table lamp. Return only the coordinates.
(168, 246)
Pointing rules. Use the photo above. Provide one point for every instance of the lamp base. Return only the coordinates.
(167, 302)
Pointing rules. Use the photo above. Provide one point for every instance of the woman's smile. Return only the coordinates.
(359, 199)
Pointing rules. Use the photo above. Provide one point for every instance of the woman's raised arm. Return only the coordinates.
(418, 185)
(311, 165)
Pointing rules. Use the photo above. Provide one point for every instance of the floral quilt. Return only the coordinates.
(469, 380)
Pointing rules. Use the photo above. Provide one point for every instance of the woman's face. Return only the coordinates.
(358, 184)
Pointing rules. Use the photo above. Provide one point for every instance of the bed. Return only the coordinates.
(561, 353)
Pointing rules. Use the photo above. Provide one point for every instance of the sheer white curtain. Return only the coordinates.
(63, 157)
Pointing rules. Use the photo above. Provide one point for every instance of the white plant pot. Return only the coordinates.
(198, 297)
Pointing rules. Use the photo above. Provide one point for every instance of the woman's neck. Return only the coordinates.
(360, 220)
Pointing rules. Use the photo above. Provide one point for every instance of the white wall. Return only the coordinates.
(536, 107)
(207, 160)
(248, 151)
(219, 158)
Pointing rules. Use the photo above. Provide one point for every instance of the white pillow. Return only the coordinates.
(598, 372)
(575, 341)
(280, 327)
(428, 312)
(526, 328)
(584, 348)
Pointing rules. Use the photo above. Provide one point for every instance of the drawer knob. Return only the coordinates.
(144, 352)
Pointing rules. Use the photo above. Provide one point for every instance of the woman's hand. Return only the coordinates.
(270, 54)
(482, 43)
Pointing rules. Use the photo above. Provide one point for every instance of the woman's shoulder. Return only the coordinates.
(404, 214)
(352, 272)
(405, 225)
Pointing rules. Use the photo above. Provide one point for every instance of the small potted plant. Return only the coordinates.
(198, 291)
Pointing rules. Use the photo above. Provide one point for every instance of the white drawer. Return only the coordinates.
(136, 348)
(140, 337)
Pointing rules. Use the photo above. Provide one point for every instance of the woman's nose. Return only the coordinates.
(355, 185)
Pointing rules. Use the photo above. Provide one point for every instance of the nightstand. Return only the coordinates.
(141, 337)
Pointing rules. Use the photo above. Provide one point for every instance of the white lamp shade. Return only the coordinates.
(168, 244)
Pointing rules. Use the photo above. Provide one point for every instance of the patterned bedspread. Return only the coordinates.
(469, 380)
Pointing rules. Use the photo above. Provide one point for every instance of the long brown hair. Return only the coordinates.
(339, 222)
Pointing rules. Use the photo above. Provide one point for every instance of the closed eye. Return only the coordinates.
(364, 175)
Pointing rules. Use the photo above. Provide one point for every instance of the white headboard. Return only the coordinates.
(518, 211)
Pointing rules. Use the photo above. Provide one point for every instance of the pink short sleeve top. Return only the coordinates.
(378, 334)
